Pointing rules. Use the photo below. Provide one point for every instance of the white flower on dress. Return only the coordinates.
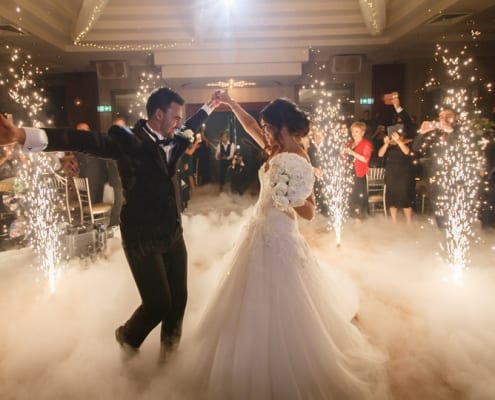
(291, 180)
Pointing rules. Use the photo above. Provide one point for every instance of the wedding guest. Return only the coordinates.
(224, 153)
(203, 158)
(399, 168)
(361, 150)
(187, 164)
(434, 142)
(238, 181)
(399, 175)
(316, 158)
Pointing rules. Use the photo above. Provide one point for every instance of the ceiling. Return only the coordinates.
(262, 41)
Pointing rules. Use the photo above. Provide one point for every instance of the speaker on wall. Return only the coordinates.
(347, 64)
(111, 69)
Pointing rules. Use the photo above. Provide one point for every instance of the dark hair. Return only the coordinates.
(160, 99)
(284, 112)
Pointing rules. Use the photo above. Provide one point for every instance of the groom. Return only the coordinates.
(147, 158)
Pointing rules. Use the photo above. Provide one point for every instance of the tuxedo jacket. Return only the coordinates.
(151, 214)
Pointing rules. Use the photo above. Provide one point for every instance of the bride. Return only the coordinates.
(280, 326)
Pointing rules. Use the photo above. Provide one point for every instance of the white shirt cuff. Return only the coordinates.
(398, 109)
(36, 140)
(207, 109)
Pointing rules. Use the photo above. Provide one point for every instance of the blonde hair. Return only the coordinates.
(360, 125)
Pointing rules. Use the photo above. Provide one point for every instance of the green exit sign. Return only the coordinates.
(366, 100)
(104, 108)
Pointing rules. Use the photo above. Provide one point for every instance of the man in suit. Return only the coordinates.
(316, 158)
(224, 153)
(433, 144)
(147, 158)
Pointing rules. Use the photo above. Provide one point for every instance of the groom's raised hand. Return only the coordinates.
(9, 133)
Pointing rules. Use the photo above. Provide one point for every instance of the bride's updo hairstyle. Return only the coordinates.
(284, 112)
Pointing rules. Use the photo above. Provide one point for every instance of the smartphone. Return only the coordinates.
(399, 128)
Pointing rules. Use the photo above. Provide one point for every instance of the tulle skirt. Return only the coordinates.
(280, 326)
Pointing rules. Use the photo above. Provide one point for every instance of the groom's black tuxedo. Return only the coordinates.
(150, 219)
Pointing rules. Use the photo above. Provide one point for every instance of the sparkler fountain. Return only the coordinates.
(39, 199)
(459, 163)
(44, 227)
(336, 170)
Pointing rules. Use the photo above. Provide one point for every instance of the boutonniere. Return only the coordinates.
(187, 134)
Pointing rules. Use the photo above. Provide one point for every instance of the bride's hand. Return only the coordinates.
(225, 98)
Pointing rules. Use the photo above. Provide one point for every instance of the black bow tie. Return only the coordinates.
(164, 142)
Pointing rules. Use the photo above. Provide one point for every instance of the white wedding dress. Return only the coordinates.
(279, 325)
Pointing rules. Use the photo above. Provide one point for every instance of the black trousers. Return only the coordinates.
(161, 278)
(224, 167)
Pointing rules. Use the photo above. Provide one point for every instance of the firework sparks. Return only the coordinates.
(39, 205)
(336, 170)
(19, 79)
(459, 159)
(39, 199)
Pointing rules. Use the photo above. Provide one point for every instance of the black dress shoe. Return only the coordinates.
(120, 337)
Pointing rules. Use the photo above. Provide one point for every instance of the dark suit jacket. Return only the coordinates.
(151, 213)
(314, 155)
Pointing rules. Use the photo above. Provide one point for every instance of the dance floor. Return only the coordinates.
(439, 336)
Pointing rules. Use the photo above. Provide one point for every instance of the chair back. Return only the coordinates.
(375, 178)
(90, 212)
(59, 184)
(84, 198)
(375, 184)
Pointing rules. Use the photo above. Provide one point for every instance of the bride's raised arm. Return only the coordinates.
(247, 121)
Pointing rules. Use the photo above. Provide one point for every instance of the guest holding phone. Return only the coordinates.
(398, 161)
